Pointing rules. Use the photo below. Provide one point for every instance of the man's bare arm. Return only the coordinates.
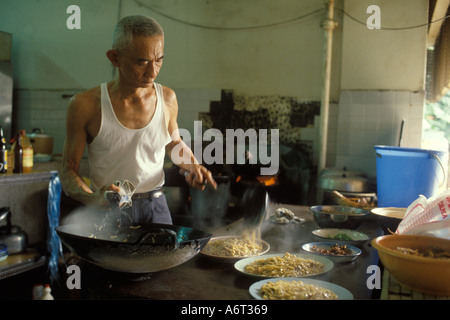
(196, 174)
(77, 120)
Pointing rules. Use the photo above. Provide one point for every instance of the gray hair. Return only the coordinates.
(130, 26)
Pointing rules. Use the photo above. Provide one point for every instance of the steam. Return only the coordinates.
(82, 215)
(209, 207)
(90, 221)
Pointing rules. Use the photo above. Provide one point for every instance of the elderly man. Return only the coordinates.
(128, 124)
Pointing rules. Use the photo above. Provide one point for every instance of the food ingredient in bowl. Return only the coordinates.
(422, 274)
(232, 247)
(336, 250)
(339, 212)
(295, 290)
(341, 236)
(431, 252)
(287, 265)
(353, 201)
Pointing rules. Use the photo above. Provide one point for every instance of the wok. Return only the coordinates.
(138, 249)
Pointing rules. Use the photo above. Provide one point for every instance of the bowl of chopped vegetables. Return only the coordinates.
(333, 251)
(343, 236)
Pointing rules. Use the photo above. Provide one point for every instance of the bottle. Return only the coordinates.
(47, 293)
(3, 153)
(18, 155)
(27, 152)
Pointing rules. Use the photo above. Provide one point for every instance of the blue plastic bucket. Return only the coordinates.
(405, 173)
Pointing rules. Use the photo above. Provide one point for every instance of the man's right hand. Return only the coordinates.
(100, 196)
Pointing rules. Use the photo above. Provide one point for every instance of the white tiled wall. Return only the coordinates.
(46, 109)
(369, 118)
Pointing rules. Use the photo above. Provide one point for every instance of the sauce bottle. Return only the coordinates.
(27, 152)
(18, 155)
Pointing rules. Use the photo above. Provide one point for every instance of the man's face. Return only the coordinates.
(139, 64)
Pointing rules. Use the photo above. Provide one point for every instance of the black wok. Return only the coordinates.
(140, 249)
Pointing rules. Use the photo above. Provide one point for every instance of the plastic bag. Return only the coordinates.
(54, 245)
(123, 198)
(428, 216)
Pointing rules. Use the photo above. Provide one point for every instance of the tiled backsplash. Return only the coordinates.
(369, 118)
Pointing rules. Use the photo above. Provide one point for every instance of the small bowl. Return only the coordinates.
(389, 218)
(354, 252)
(423, 274)
(338, 216)
(346, 236)
(233, 259)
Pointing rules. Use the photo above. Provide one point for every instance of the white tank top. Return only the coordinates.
(120, 153)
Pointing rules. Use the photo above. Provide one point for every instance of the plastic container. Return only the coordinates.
(47, 294)
(3, 251)
(405, 173)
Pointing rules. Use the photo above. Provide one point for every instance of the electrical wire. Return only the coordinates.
(393, 29)
(281, 22)
(275, 24)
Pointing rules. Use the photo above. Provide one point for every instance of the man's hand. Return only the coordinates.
(198, 177)
(99, 197)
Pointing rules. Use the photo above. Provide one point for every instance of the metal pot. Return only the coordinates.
(342, 181)
(341, 171)
(42, 143)
(345, 183)
(12, 236)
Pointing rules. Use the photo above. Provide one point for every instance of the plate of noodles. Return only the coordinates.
(293, 288)
(284, 265)
(235, 247)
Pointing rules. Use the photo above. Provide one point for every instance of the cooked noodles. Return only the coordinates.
(295, 290)
(287, 265)
(233, 247)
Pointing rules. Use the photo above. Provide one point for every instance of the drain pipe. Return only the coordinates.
(328, 26)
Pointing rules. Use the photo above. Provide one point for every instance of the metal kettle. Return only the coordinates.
(12, 236)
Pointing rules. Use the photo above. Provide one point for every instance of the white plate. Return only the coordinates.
(358, 238)
(240, 265)
(342, 293)
(390, 212)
